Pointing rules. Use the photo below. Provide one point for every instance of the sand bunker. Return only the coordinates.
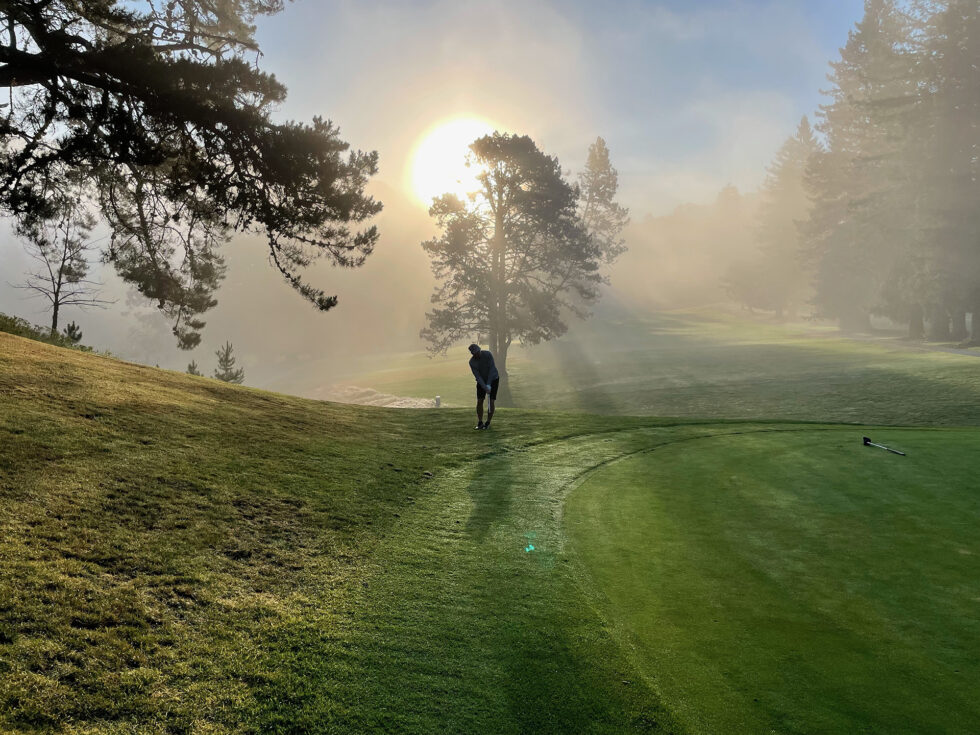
(371, 397)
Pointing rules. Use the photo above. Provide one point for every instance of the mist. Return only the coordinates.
(693, 101)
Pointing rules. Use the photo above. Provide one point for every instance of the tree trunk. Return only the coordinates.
(938, 324)
(975, 322)
(54, 319)
(959, 332)
(496, 309)
(504, 395)
(917, 327)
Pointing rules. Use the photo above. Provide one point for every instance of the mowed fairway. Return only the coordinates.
(711, 364)
(795, 581)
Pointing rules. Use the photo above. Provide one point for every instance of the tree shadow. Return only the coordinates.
(583, 374)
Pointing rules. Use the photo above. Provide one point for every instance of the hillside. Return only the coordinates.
(180, 555)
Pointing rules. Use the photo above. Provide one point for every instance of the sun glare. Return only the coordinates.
(439, 161)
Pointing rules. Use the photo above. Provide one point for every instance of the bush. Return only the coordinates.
(23, 328)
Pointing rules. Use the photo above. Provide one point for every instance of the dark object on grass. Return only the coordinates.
(869, 443)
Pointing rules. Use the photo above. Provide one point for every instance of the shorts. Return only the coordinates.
(480, 393)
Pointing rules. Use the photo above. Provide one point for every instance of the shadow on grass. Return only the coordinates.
(490, 491)
(580, 371)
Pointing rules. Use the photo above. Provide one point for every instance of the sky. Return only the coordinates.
(689, 96)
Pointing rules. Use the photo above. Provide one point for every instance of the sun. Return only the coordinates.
(438, 163)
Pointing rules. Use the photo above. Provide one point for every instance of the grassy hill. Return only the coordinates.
(179, 555)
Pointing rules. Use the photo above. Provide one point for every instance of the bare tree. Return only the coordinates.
(58, 239)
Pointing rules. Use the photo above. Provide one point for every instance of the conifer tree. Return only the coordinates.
(226, 370)
(73, 333)
(192, 369)
(515, 259)
(784, 204)
(949, 264)
(604, 219)
(161, 109)
(863, 187)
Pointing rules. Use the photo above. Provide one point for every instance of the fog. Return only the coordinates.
(693, 99)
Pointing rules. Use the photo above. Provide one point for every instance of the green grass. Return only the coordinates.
(713, 365)
(180, 555)
(795, 582)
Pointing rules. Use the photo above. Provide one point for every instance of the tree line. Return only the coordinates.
(880, 214)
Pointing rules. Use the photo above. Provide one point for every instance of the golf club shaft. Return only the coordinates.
(887, 449)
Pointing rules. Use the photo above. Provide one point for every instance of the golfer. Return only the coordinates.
(487, 381)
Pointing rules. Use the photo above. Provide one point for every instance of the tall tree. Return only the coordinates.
(515, 258)
(161, 109)
(777, 279)
(57, 238)
(603, 217)
(784, 204)
(949, 158)
(226, 370)
(862, 221)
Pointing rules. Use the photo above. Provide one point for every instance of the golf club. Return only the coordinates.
(869, 443)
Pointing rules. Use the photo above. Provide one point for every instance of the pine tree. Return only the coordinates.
(226, 366)
(161, 109)
(192, 369)
(949, 264)
(603, 217)
(783, 206)
(863, 187)
(515, 259)
(73, 333)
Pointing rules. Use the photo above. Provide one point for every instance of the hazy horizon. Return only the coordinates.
(690, 97)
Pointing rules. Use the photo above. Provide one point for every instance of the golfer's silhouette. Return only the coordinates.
(487, 381)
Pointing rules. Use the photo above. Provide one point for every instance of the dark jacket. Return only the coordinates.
(483, 368)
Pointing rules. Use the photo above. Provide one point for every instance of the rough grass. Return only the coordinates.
(795, 582)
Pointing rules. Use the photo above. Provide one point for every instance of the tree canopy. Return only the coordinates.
(602, 216)
(515, 258)
(894, 227)
(161, 109)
